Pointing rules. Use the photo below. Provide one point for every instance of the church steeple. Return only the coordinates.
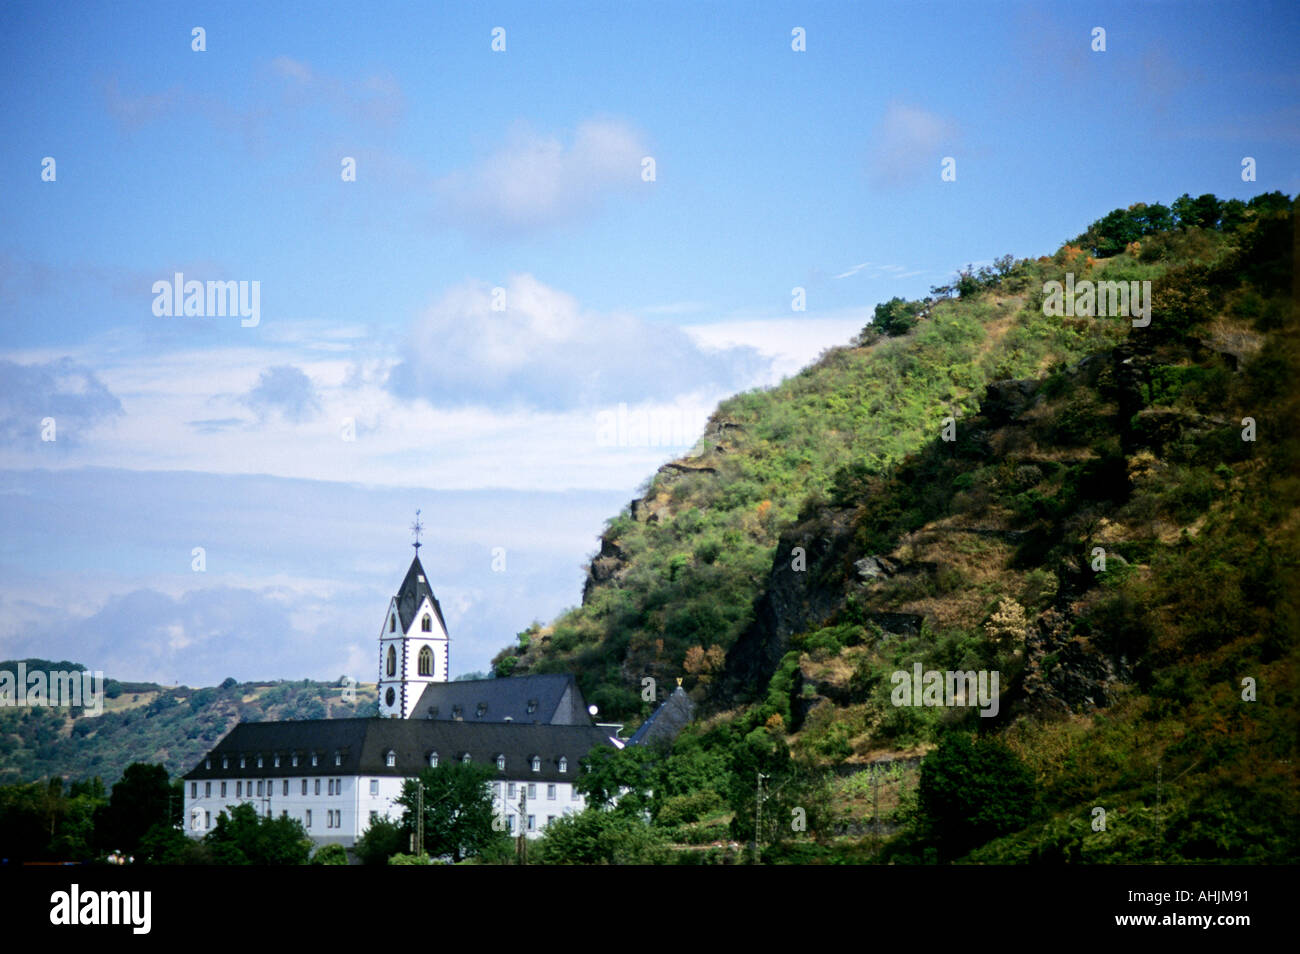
(414, 648)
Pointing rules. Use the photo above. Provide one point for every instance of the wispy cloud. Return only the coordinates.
(285, 390)
(876, 270)
(64, 390)
(908, 144)
(534, 181)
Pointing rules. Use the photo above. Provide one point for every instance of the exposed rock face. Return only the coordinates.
(716, 441)
(793, 600)
(1063, 673)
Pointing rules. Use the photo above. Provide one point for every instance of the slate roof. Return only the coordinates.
(666, 722)
(412, 593)
(363, 746)
(547, 699)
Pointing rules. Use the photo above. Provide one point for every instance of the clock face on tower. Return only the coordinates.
(390, 697)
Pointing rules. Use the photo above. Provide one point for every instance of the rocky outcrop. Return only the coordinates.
(1063, 673)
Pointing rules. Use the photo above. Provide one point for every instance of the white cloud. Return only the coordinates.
(534, 181)
(908, 144)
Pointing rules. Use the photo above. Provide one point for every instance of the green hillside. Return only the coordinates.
(1107, 519)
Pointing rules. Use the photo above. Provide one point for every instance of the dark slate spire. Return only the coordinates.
(414, 589)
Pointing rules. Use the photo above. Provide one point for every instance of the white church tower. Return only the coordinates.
(413, 643)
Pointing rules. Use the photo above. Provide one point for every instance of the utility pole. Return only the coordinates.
(521, 847)
(758, 817)
(1160, 835)
(875, 807)
(419, 816)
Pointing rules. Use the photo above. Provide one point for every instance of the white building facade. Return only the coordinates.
(337, 776)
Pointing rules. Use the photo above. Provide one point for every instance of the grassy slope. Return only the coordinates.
(1204, 525)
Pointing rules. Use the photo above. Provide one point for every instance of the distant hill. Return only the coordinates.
(147, 722)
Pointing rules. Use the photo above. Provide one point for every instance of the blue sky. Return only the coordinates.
(521, 171)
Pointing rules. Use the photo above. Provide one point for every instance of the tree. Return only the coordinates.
(895, 317)
(622, 778)
(593, 837)
(972, 791)
(165, 845)
(383, 839)
(142, 798)
(457, 809)
(790, 791)
(330, 855)
(242, 837)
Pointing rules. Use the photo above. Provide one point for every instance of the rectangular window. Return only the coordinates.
(510, 790)
(207, 819)
(317, 786)
(374, 817)
(207, 789)
(259, 788)
(532, 823)
(309, 818)
(329, 784)
(286, 786)
(550, 791)
(194, 789)
(223, 789)
(239, 790)
(549, 819)
(374, 786)
(304, 786)
(338, 786)
(532, 789)
(512, 823)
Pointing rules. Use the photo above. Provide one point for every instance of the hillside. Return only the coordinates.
(1107, 519)
(146, 722)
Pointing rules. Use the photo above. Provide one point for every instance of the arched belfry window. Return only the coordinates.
(426, 624)
(392, 661)
(426, 661)
(392, 624)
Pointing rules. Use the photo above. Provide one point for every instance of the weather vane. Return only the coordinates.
(416, 528)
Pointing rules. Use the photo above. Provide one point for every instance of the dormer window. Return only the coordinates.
(313, 760)
(532, 706)
(482, 708)
(564, 764)
(225, 762)
(465, 758)
(241, 761)
(390, 759)
(537, 764)
(433, 760)
(501, 763)
(295, 760)
(426, 624)
(207, 763)
(277, 760)
(338, 759)
(455, 712)
(259, 761)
